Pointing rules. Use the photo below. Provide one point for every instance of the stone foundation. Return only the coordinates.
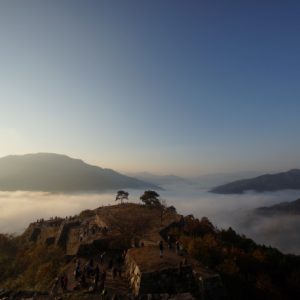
(167, 279)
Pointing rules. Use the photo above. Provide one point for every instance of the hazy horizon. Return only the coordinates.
(162, 172)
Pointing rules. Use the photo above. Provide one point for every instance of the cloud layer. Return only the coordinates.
(18, 209)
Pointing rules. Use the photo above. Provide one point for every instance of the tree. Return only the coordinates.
(151, 198)
(121, 196)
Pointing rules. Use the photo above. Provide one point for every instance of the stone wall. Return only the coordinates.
(62, 235)
(209, 287)
(167, 280)
(34, 234)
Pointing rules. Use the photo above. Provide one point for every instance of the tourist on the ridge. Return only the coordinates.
(77, 272)
(103, 278)
(180, 269)
(88, 269)
(114, 297)
(110, 264)
(93, 230)
(180, 249)
(177, 247)
(169, 242)
(78, 262)
(97, 276)
(120, 272)
(91, 263)
(65, 283)
(185, 262)
(102, 257)
(62, 282)
(114, 272)
(161, 248)
(97, 270)
(55, 287)
(82, 280)
(119, 261)
(124, 254)
(104, 294)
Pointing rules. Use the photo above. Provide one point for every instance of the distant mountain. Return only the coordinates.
(162, 180)
(290, 208)
(264, 183)
(205, 181)
(60, 173)
(210, 180)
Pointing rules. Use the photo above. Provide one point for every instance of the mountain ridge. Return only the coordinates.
(52, 172)
(283, 208)
(264, 183)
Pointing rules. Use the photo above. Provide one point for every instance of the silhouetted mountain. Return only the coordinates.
(205, 181)
(60, 173)
(264, 183)
(208, 181)
(290, 208)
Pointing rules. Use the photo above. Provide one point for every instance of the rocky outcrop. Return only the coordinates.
(35, 233)
(62, 236)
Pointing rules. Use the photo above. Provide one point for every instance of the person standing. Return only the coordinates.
(169, 242)
(55, 287)
(96, 276)
(161, 248)
(177, 247)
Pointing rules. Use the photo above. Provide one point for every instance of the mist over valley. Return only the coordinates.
(18, 209)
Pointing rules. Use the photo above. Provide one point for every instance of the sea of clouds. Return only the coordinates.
(18, 209)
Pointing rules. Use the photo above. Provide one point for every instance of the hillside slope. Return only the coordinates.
(264, 183)
(60, 173)
(284, 208)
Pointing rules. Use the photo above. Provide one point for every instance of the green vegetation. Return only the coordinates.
(150, 198)
(248, 270)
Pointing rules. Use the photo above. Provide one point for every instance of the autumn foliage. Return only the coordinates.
(31, 266)
(248, 270)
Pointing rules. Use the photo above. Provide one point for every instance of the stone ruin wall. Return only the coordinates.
(169, 280)
(49, 233)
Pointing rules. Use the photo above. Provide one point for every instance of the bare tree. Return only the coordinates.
(121, 196)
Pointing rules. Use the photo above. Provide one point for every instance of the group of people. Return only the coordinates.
(89, 271)
(88, 230)
(53, 221)
(93, 274)
(171, 242)
(40, 221)
(60, 282)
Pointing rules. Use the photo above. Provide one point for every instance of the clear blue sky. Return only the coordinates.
(185, 87)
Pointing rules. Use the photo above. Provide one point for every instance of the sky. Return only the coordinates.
(183, 87)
